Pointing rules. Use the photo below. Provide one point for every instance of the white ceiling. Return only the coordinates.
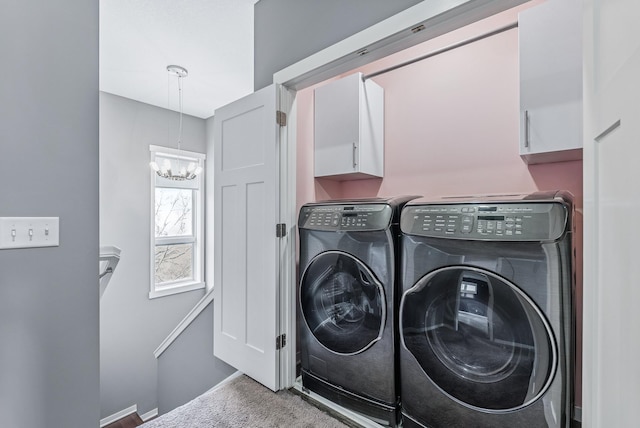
(212, 39)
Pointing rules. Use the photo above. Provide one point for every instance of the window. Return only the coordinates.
(177, 222)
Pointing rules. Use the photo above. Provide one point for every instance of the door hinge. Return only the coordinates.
(281, 118)
(281, 341)
(281, 230)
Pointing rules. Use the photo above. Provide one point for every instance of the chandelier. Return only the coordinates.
(181, 170)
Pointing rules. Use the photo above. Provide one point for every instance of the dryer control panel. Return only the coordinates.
(337, 217)
(519, 221)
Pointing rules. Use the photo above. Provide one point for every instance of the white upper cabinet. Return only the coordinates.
(550, 47)
(349, 129)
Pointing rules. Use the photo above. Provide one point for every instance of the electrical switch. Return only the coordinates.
(29, 232)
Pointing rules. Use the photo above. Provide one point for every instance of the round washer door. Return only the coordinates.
(479, 338)
(343, 303)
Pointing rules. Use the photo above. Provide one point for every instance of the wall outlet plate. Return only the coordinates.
(29, 232)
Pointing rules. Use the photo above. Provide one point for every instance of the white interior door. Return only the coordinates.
(612, 201)
(246, 195)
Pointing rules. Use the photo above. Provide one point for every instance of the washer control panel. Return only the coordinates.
(509, 221)
(345, 217)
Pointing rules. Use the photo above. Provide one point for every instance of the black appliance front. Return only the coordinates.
(347, 299)
(485, 315)
(343, 303)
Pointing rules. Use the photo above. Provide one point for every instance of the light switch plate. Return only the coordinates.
(29, 232)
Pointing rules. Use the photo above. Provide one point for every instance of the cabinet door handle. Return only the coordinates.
(355, 162)
(526, 129)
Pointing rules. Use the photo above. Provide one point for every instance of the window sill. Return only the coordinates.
(176, 289)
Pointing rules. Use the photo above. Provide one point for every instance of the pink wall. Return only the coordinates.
(451, 129)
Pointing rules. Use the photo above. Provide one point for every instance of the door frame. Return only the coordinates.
(394, 34)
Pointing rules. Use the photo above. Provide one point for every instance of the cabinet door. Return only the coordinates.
(550, 48)
(337, 127)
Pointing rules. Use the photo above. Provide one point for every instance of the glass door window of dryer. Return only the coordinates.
(342, 302)
(479, 338)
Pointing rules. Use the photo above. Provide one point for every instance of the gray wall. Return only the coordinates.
(131, 325)
(286, 31)
(188, 368)
(49, 167)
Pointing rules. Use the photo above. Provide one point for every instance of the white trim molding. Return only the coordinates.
(149, 415)
(176, 153)
(180, 287)
(419, 23)
(118, 415)
(186, 321)
(225, 381)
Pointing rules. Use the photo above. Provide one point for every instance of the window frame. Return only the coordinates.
(197, 281)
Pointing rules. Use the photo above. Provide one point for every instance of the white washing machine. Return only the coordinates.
(486, 315)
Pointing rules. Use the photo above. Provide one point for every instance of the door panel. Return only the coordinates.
(245, 192)
(611, 204)
(230, 322)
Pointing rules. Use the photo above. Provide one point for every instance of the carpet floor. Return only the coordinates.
(245, 403)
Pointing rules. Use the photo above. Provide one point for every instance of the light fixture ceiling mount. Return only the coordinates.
(176, 70)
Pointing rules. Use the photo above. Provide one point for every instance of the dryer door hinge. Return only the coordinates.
(281, 118)
(281, 230)
(281, 341)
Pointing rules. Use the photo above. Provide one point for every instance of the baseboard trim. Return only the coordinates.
(119, 415)
(225, 381)
(149, 415)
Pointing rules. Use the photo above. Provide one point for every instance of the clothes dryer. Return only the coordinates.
(486, 315)
(347, 303)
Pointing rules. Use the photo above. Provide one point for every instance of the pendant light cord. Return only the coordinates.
(167, 171)
(180, 107)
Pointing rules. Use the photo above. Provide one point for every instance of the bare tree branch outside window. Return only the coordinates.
(173, 218)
